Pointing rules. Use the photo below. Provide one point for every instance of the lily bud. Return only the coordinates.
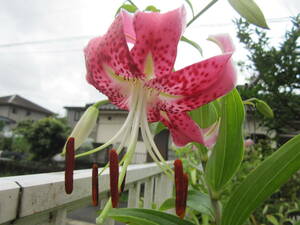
(85, 125)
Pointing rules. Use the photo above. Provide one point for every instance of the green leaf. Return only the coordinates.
(227, 153)
(157, 127)
(192, 43)
(167, 204)
(151, 8)
(262, 182)
(199, 202)
(205, 116)
(250, 11)
(196, 200)
(146, 217)
(272, 219)
(297, 223)
(128, 7)
(264, 109)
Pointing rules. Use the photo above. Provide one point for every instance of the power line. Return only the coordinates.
(83, 37)
(74, 38)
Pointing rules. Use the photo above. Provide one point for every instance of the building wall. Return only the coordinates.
(73, 116)
(4, 110)
(18, 113)
(109, 124)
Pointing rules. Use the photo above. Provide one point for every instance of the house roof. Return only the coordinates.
(107, 107)
(17, 100)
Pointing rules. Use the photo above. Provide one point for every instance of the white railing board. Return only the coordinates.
(45, 192)
(9, 195)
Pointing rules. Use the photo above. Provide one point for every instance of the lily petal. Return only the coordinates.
(192, 79)
(183, 129)
(109, 63)
(224, 41)
(128, 27)
(158, 35)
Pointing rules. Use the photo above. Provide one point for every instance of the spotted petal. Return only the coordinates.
(109, 63)
(183, 129)
(157, 38)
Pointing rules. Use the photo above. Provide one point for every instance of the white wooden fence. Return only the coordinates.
(40, 199)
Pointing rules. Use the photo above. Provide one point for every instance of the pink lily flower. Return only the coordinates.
(141, 79)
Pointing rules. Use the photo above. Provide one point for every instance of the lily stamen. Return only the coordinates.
(95, 185)
(181, 187)
(114, 177)
(70, 165)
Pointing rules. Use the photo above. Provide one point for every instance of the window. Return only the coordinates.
(77, 115)
(14, 111)
(28, 113)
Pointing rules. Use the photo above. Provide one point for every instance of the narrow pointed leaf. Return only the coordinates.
(146, 217)
(192, 43)
(262, 182)
(128, 7)
(167, 204)
(199, 202)
(151, 8)
(205, 116)
(227, 154)
(157, 127)
(250, 11)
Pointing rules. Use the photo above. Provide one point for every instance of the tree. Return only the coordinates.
(46, 137)
(275, 73)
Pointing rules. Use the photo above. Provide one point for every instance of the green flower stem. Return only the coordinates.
(103, 102)
(201, 12)
(217, 210)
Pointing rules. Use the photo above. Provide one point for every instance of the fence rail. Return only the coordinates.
(40, 199)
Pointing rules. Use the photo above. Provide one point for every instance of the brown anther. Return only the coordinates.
(95, 185)
(114, 177)
(185, 193)
(69, 165)
(181, 185)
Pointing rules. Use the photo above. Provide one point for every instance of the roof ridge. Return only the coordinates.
(12, 97)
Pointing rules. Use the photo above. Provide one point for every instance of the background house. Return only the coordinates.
(17, 108)
(110, 120)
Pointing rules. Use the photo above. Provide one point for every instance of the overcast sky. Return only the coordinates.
(41, 43)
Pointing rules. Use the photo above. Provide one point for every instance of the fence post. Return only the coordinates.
(163, 189)
(148, 193)
(60, 217)
(134, 195)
